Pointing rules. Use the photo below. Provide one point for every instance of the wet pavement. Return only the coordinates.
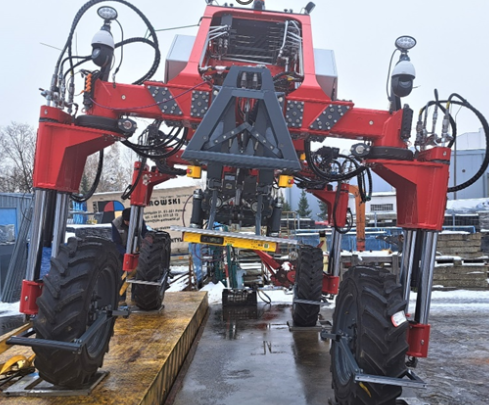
(457, 368)
(253, 358)
(250, 357)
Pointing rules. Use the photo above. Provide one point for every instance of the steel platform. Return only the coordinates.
(144, 358)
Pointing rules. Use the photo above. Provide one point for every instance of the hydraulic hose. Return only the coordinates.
(330, 178)
(80, 198)
(83, 10)
(485, 126)
(130, 188)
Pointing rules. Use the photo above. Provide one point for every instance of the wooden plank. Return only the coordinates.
(145, 355)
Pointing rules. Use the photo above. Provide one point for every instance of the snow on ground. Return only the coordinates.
(9, 309)
(454, 301)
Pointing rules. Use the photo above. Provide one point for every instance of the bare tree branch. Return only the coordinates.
(17, 149)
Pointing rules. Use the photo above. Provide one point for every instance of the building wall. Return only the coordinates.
(13, 207)
(463, 166)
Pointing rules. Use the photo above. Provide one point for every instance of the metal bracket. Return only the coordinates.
(165, 100)
(299, 301)
(263, 144)
(294, 114)
(34, 386)
(411, 380)
(329, 117)
(200, 103)
(155, 283)
(77, 345)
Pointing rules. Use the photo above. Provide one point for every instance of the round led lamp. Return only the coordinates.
(405, 43)
(107, 13)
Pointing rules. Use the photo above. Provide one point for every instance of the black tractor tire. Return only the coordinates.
(83, 279)
(367, 300)
(154, 265)
(308, 286)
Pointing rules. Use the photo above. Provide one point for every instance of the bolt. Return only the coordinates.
(123, 97)
(371, 123)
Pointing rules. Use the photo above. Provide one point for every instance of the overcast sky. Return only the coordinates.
(451, 55)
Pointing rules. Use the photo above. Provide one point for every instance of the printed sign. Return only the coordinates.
(167, 207)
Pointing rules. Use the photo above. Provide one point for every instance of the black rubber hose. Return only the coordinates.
(83, 10)
(322, 175)
(80, 198)
(171, 152)
(485, 126)
(130, 188)
(453, 124)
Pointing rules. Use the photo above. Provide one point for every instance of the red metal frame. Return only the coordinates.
(331, 284)
(273, 267)
(63, 147)
(341, 208)
(418, 338)
(31, 291)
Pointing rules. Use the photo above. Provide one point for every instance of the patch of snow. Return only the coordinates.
(9, 309)
(214, 292)
(179, 269)
(454, 232)
(178, 285)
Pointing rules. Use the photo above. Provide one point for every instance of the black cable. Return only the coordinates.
(122, 53)
(131, 187)
(175, 148)
(485, 126)
(324, 175)
(83, 10)
(370, 184)
(453, 124)
(361, 186)
(84, 60)
(81, 198)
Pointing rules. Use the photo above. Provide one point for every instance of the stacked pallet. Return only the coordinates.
(463, 244)
(459, 275)
(460, 263)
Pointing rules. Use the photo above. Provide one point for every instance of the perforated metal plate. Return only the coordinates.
(329, 117)
(165, 100)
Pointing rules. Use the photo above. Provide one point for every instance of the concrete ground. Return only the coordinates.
(253, 358)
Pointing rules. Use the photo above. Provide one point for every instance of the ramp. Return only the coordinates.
(145, 356)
